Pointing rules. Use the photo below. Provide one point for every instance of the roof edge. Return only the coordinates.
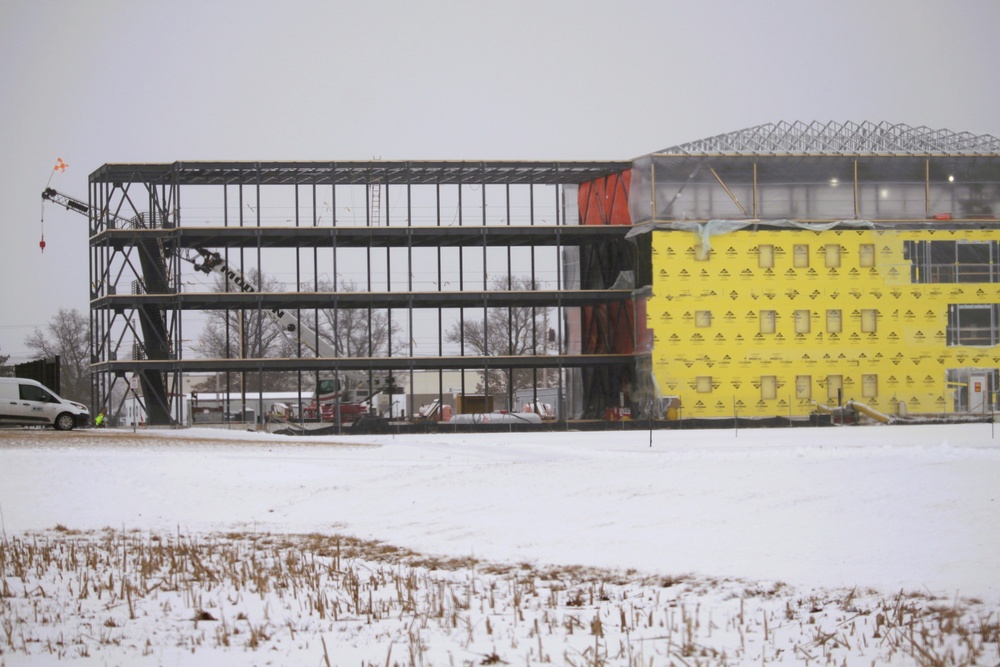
(835, 138)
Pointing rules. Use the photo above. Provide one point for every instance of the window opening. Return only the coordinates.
(803, 387)
(765, 256)
(968, 396)
(834, 321)
(866, 255)
(869, 320)
(802, 321)
(973, 324)
(768, 387)
(953, 261)
(834, 387)
(972, 263)
(832, 254)
(869, 386)
(767, 321)
(800, 256)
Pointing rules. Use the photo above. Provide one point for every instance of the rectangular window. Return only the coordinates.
(869, 386)
(29, 392)
(802, 321)
(803, 387)
(767, 321)
(834, 321)
(703, 384)
(834, 387)
(866, 255)
(800, 256)
(832, 253)
(768, 387)
(869, 320)
(703, 318)
(765, 256)
(953, 261)
(973, 324)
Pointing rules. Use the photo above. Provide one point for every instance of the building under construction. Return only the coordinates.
(425, 245)
(755, 274)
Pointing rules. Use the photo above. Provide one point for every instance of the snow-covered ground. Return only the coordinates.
(804, 527)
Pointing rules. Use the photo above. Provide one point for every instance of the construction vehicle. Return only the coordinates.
(328, 402)
(325, 402)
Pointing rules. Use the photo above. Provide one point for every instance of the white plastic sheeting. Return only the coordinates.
(706, 230)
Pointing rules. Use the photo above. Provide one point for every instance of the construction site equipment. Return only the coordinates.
(848, 413)
(327, 401)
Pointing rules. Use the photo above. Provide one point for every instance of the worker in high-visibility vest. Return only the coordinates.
(99, 419)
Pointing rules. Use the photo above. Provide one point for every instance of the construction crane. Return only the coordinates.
(327, 404)
(212, 262)
(288, 323)
(152, 260)
(63, 200)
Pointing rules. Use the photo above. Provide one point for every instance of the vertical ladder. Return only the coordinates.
(376, 219)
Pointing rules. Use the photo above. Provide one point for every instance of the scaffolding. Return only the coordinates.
(433, 248)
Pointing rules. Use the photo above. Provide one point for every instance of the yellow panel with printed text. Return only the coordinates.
(769, 322)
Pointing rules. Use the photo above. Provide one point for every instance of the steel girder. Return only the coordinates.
(138, 233)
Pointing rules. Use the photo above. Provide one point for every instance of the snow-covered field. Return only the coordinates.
(858, 545)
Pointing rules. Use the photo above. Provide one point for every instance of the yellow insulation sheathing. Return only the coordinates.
(773, 321)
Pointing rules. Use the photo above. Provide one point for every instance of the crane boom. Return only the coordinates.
(289, 324)
(331, 389)
(63, 200)
(213, 262)
(73, 204)
(152, 260)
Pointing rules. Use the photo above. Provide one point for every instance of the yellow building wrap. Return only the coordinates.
(774, 320)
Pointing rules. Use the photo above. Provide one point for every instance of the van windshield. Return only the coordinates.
(30, 392)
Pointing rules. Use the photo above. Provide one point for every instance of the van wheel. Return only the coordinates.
(65, 422)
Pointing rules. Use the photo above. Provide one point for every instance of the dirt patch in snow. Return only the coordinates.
(32, 437)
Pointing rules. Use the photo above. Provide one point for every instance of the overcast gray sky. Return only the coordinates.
(135, 81)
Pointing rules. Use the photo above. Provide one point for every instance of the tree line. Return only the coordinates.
(234, 334)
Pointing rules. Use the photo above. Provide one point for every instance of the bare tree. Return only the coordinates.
(68, 337)
(254, 334)
(354, 332)
(248, 334)
(517, 331)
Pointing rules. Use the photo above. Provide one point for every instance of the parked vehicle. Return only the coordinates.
(31, 403)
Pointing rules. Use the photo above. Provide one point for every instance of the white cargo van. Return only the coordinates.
(31, 403)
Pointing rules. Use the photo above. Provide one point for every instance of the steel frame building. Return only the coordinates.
(395, 227)
(804, 267)
(434, 243)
